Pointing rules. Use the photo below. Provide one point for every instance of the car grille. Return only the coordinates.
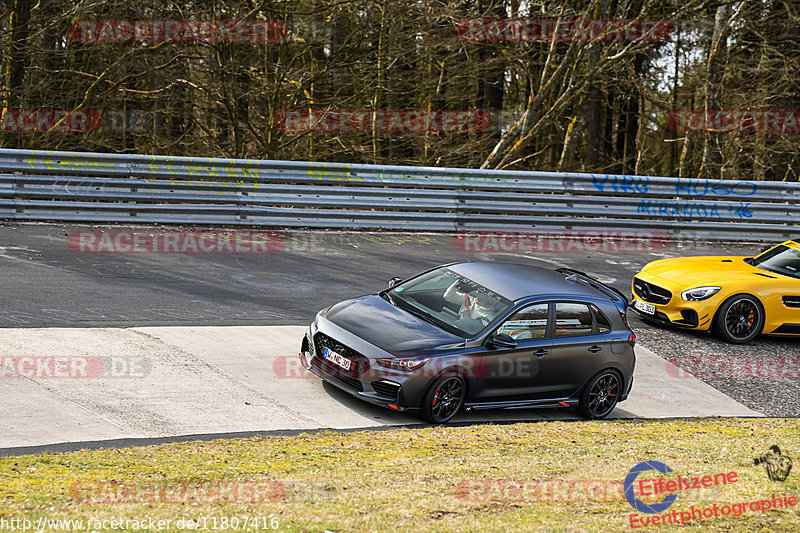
(651, 293)
(386, 388)
(359, 366)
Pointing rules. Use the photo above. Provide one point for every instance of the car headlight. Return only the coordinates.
(403, 365)
(699, 293)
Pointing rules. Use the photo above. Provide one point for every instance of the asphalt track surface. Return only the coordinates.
(47, 284)
(161, 382)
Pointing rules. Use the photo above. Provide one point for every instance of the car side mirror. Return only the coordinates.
(502, 340)
(394, 281)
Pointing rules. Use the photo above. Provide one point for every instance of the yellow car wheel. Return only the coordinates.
(739, 319)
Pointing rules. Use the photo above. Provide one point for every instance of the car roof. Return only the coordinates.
(517, 280)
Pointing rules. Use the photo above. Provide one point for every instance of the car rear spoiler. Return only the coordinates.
(589, 280)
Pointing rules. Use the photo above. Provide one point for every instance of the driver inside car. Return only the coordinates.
(475, 306)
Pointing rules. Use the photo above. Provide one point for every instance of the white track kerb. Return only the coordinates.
(169, 381)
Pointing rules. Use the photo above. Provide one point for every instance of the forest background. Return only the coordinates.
(691, 88)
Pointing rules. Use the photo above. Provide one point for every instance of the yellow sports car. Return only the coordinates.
(736, 297)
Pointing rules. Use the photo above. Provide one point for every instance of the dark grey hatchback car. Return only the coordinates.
(479, 335)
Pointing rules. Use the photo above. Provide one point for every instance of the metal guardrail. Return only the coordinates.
(111, 188)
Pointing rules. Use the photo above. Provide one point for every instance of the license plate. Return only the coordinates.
(644, 308)
(336, 358)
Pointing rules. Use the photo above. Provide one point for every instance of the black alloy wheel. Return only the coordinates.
(739, 319)
(444, 399)
(601, 395)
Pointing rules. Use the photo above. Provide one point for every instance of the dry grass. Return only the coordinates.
(475, 478)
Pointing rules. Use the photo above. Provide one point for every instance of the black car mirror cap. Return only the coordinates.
(502, 340)
(394, 281)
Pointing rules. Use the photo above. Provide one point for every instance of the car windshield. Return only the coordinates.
(451, 301)
(780, 260)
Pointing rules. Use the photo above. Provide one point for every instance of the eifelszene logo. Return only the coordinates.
(668, 484)
(630, 495)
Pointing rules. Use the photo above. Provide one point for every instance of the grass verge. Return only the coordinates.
(549, 476)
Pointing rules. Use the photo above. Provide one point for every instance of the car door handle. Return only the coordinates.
(541, 353)
(595, 348)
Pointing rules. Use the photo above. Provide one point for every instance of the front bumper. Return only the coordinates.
(395, 390)
(680, 313)
(383, 400)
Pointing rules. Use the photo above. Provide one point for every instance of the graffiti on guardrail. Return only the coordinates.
(682, 186)
(73, 186)
(626, 184)
(336, 172)
(210, 171)
(205, 171)
(693, 210)
(153, 169)
(705, 187)
(96, 183)
(59, 164)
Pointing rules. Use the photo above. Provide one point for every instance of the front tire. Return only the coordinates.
(444, 399)
(600, 395)
(739, 319)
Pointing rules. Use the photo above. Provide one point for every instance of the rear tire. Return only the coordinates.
(444, 399)
(739, 319)
(600, 395)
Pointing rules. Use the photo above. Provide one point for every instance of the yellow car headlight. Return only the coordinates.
(699, 293)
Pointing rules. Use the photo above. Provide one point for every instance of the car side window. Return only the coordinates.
(603, 325)
(527, 323)
(573, 319)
